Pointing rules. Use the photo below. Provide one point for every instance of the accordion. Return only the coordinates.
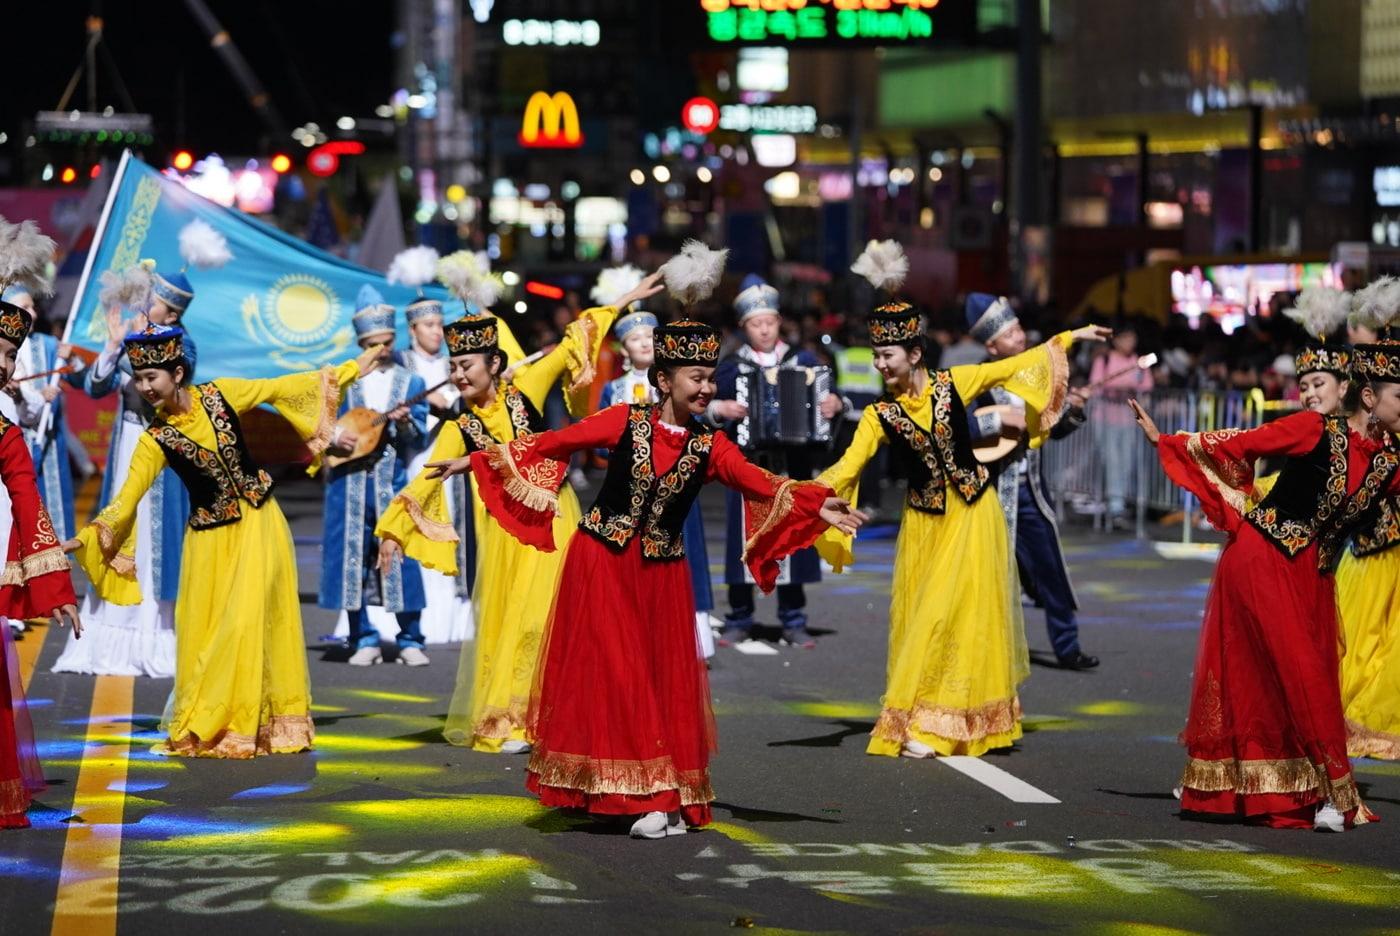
(782, 404)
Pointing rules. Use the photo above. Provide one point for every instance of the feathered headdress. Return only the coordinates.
(884, 264)
(127, 289)
(414, 267)
(1376, 305)
(25, 255)
(469, 277)
(692, 275)
(1321, 310)
(203, 247)
(614, 283)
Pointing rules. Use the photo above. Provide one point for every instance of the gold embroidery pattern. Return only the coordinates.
(1377, 479)
(1368, 742)
(1059, 384)
(435, 530)
(536, 486)
(499, 723)
(930, 497)
(621, 777)
(583, 331)
(33, 566)
(519, 415)
(619, 528)
(475, 433)
(1227, 477)
(1255, 777)
(225, 505)
(223, 466)
(968, 483)
(956, 724)
(1295, 535)
(471, 334)
(1384, 533)
(14, 798)
(14, 324)
(656, 544)
(44, 536)
(255, 489)
(699, 349)
(154, 353)
(1212, 709)
(284, 734)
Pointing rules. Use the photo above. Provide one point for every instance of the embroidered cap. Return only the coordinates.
(173, 289)
(155, 346)
(755, 298)
(373, 316)
(681, 343)
(420, 308)
(988, 315)
(1378, 362)
(894, 323)
(632, 321)
(471, 334)
(1330, 359)
(14, 323)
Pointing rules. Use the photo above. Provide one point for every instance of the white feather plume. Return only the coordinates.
(203, 247)
(414, 267)
(692, 275)
(614, 283)
(1321, 310)
(1377, 304)
(884, 264)
(469, 277)
(127, 289)
(25, 255)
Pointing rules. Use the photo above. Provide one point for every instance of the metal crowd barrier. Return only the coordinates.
(1075, 465)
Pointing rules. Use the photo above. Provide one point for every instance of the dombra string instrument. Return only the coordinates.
(1003, 445)
(367, 426)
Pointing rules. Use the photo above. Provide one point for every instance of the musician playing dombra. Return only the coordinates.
(761, 323)
(1020, 479)
(360, 490)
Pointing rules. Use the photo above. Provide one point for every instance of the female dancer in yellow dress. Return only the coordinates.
(1368, 583)
(241, 686)
(515, 584)
(957, 647)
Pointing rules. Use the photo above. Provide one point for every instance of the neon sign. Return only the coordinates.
(768, 118)
(550, 122)
(821, 21)
(533, 32)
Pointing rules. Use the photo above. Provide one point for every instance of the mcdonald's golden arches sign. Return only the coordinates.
(550, 122)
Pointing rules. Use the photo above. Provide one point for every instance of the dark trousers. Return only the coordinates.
(792, 604)
(1043, 572)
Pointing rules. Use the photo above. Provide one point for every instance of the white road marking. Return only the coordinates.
(1009, 786)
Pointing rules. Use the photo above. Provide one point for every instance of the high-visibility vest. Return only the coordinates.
(856, 374)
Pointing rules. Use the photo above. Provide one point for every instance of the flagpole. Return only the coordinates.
(47, 416)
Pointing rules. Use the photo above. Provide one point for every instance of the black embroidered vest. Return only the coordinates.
(216, 480)
(1309, 491)
(929, 461)
(1369, 516)
(524, 420)
(634, 500)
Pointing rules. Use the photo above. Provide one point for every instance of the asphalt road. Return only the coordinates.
(385, 828)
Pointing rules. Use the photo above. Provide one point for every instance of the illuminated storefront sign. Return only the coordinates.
(550, 122)
(830, 21)
(533, 32)
(700, 115)
(768, 118)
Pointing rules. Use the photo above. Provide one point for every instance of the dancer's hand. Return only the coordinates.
(1145, 423)
(450, 468)
(1092, 333)
(643, 290)
(370, 358)
(68, 614)
(389, 553)
(837, 512)
(72, 545)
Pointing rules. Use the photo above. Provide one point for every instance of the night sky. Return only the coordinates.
(318, 59)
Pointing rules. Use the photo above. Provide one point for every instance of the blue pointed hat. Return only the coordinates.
(373, 316)
(14, 292)
(988, 315)
(173, 289)
(755, 298)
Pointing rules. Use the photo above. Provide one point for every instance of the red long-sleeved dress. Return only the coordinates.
(1265, 737)
(620, 716)
(36, 580)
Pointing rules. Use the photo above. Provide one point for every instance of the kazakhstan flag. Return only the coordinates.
(279, 305)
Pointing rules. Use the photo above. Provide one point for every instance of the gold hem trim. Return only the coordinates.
(498, 723)
(1232, 496)
(284, 734)
(955, 724)
(1367, 742)
(580, 363)
(1256, 777)
(14, 797)
(519, 487)
(434, 530)
(596, 776)
(123, 565)
(1059, 385)
(330, 403)
(106, 537)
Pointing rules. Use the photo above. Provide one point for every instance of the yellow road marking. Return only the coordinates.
(87, 884)
(29, 649)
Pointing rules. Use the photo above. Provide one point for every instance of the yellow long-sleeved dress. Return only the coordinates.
(1368, 601)
(957, 647)
(515, 584)
(241, 684)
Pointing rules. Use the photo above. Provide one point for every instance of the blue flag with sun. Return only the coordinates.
(278, 305)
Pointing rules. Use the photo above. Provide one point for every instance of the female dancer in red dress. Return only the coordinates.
(620, 713)
(1265, 737)
(36, 584)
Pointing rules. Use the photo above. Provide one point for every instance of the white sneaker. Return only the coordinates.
(1329, 819)
(412, 656)
(654, 825)
(17, 627)
(675, 825)
(917, 749)
(515, 746)
(1176, 791)
(366, 656)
